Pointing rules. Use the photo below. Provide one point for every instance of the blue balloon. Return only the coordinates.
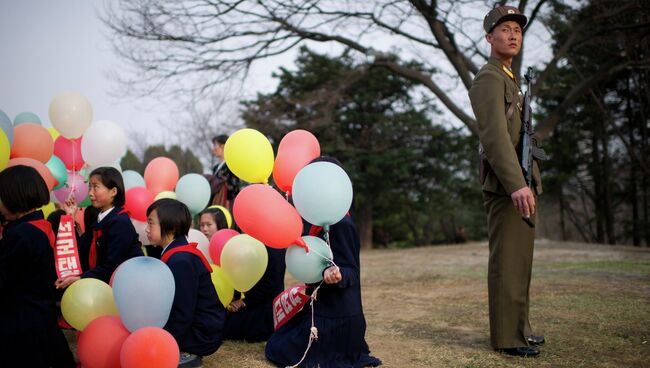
(194, 191)
(143, 289)
(308, 266)
(27, 117)
(132, 179)
(322, 193)
(7, 127)
(58, 170)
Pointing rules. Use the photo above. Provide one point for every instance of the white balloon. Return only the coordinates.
(195, 236)
(103, 143)
(70, 114)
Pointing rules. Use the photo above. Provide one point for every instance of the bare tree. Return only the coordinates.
(194, 46)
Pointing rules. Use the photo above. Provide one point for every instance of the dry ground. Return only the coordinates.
(427, 307)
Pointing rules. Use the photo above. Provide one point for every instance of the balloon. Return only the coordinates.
(218, 241)
(243, 261)
(144, 291)
(160, 174)
(140, 227)
(75, 187)
(5, 149)
(27, 117)
(226, 213)
(48, 209)
(225, 291)
(308, 267)
(50, 181)
(79, 218)
(195, 236)
(322, 193)
(132, 179)
(264, 214)
(165, 194)
(54, 133)
(32, 140)
(138, 200)
(296, 150)
(69, 151)
(58, 170)
(70, 114)
(249, 155)
(150, 347)
(6, 127)
(194, 191)
(85, 300)
(99, 345)
(104, 143)
(85, 203)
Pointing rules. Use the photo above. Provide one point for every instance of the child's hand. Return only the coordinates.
(236, 305)
(332, 275)
(70, 206)
(64, 283)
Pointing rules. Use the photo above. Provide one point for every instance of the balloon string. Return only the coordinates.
(313, 331)
(74, 166)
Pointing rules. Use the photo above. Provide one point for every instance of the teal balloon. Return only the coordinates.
(322, 193)
(58, 170)
(7, 127)
(194, 191)
(143, 289)
(308, 266)
(27, 117)
(85, 203)
(132, 179)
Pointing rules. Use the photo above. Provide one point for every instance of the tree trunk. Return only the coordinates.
(364, 220)
(562, 224)
(596, 177)
(636, 239)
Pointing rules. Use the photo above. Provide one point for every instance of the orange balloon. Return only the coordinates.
(161, 174)
(150, 347)
(46, 174)
(100, 343)
(33, 141)
(261, 212)
(296, 150)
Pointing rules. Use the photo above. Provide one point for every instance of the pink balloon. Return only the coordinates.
(138, 200)
(33, 141)
(161, 174)
(296, 150)
(75, 187)
(69, 151)
(101, 341)
(261, 212)
(217, 243)
(46, 174)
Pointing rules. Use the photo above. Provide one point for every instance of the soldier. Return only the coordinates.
(496, 100)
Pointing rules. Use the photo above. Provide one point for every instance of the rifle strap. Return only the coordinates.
(511, 108)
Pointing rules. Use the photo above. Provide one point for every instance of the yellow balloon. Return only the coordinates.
(85, 300)
(225, 291)
(226, 213)
(47, 209)
(5, 149)
(249, 155)
(165, 194)
(243, 261)
(54, 133)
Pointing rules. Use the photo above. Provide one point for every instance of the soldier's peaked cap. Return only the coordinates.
(503, 14)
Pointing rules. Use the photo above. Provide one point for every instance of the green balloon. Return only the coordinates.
(5, 125)
(85, 203)
(27, 117)
(308, 267)
(58, 170)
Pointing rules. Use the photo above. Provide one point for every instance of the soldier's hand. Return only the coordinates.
(524, 202)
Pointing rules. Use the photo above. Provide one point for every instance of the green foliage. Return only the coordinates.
(412, 180)
(186, 161)
(131, 162)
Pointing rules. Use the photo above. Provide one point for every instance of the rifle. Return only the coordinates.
(529, 149)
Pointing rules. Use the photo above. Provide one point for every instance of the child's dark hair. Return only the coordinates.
(173, 215)
(111, 178)
(217, 215)
(22, 189)
(221, 139)
(329, 159)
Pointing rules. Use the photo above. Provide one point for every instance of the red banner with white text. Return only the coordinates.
(287, 304)
(66, 254)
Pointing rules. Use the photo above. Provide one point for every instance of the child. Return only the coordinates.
(111, 239)
(338, 313)
(29, 335)
(211, 220)
(196, 318)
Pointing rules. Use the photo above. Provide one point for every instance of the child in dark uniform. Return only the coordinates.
(111, 239)
(338, 313)
(196, 318)
(29, 336)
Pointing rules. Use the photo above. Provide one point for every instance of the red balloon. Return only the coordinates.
(69, 151)
(101, 341)
(46, 174)
(150, 347)
(33, 141)
(296, 150)
(79, 219)
(138, 200)
(217, 242)
(161, 174)
(261, 212)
